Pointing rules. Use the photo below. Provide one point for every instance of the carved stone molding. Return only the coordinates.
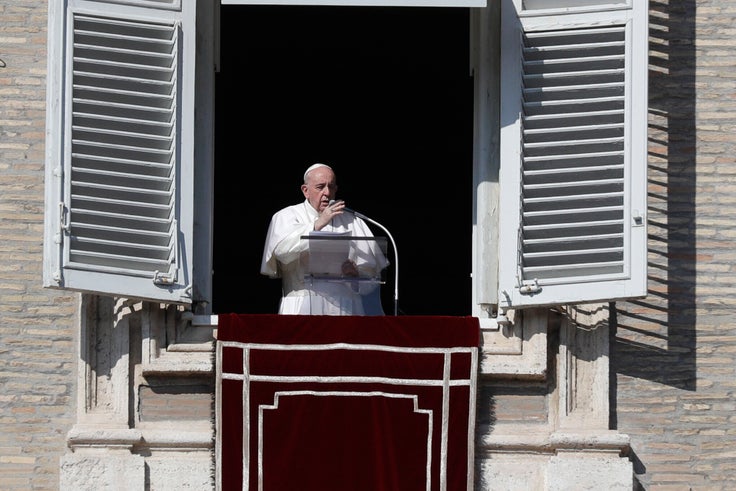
(517, 348)
(172, 343)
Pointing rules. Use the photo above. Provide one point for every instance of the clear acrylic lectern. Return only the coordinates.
(344, 273)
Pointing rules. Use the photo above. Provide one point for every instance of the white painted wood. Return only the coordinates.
(364, 3)
(573, 188)
(207, 61)
(486, 60)
(561, 7)
(95, 254)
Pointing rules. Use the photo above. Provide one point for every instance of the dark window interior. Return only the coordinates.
(383, 95)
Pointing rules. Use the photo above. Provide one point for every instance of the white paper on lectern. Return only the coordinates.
(327, 252)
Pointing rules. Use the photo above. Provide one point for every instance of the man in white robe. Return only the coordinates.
(286, 253)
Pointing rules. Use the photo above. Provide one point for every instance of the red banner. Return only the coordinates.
(341, 402)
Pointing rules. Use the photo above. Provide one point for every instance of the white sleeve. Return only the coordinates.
(283, 241)
(370, 256)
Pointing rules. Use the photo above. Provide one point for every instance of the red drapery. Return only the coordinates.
(346, 403)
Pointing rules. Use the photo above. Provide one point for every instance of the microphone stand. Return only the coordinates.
(396, 256)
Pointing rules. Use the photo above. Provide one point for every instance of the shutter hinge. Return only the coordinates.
(169, 278)
(529, 287)
(64, 226)
(160, 278)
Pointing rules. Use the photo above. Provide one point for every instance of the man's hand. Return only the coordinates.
(349, 268)
(328, 213)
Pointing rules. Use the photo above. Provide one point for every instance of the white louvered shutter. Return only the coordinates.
(122, 120)
(573, 155)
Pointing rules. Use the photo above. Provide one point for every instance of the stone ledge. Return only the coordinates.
(103, 437)
(557, 441)
(609, 440)
(79, 438)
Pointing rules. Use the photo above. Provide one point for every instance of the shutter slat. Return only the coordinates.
(123, 248)
(125, 234)
(97, 79)
(557, 241)
(582, 170)
(599, 34)
(100, 122)
(127, 98)
(577, 211)
(572, 200)
(121, 107)
(539, 48)
(574, 102)
(576, 143)
(122, 139)
(120, 206)
(115, 164)
(123, 221)
(593, 156)
(104, 262)
(603, 116)
(123, 112)
(553, 83)
(549, 65)
(579, 128)
(573, 184)
(575, 225)
(576, 272)
(123, 195)
(92, 148)
(117, 178)
(124, 47)
(573, 255)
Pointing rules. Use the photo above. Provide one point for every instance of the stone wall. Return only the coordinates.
(674, 354)
(38, 327)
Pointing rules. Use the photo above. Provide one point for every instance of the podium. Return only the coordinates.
(344, 273)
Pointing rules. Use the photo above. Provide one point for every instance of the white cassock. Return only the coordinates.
(286, 256)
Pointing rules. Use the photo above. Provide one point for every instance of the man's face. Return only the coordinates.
(320, 188)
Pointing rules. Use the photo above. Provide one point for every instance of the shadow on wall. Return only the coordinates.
(655, 337)
(654, 340)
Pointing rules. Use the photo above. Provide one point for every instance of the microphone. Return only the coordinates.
(393, 243)
(349, 210)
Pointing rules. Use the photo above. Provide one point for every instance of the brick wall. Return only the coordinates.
(674, 354)
(37, 334)
(190, 400)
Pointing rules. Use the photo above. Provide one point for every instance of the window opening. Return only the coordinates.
(382, 94)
